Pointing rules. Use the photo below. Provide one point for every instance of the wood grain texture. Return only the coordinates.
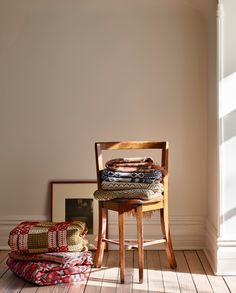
(199, 277)
(217, 282)
(9, 283)
(3, 255)
(102, 233)
(231, 283)
(127, 287)
(155, 277)
(192, 275)
(137, 286)
(110, 278)
(139, 218)
(3, 266)
(46, 289)
(94, 283)
(30, 288)
(170, 279)
(185, 279)
(122, 246)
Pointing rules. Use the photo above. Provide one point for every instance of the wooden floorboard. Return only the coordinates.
(197, 271)
(94, 283)
(111, 274)
(137, 287)
(170, 280)
(184, 276)
(9, 283)
(3, 255)
(155, 278)
(129, 269)
(231, 283)
(192, 275)
(217, 282)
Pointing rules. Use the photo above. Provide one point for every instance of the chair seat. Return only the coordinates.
(142, 194)
(136, 201)
(130, 205)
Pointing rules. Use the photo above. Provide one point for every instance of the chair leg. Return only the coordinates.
(122, 247)
(168, 244)
(106, 248)
(139, 217)
(101, 234)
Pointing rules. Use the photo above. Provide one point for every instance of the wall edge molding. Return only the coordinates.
(210, 248)
(220, 252)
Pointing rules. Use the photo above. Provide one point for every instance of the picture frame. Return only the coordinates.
(73, 200)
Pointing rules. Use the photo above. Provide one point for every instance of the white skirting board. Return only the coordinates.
(221, 253)
(211, 245)
(187, 232)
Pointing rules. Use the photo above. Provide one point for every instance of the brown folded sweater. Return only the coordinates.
(140, 164)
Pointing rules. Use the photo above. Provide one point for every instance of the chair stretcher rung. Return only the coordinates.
(130, 243)
(112, 241)
(150, 242)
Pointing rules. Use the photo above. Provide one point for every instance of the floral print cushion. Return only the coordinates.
(51, 273)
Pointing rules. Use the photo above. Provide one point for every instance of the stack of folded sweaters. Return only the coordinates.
(131, 178)
(46, 253)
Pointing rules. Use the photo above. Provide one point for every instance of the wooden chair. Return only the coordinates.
(139, 206)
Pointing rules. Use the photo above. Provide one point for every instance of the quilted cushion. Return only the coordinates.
(37, 237)
(51, 273)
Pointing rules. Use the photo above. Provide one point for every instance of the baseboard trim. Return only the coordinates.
(226, 257)
(210, 248)
(187, 232)
(220, 252)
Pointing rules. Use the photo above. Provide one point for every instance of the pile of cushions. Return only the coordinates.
(139, 178)
(46, 253)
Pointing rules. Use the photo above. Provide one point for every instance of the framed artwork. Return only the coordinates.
(73, 200)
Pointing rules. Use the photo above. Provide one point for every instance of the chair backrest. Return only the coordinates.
(129, 145)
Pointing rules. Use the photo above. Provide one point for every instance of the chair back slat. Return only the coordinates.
(126, 145)
(129, 145)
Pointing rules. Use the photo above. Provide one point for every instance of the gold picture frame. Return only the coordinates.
(73, 200)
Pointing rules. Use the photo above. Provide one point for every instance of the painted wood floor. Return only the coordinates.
(193, 274)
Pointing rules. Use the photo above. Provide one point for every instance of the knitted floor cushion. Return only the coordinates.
(50, 273)
(66, 258)
(38, 237)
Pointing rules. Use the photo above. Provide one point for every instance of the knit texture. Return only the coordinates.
(38, 237)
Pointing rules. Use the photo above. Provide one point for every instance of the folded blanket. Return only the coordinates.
(139, 177)
(143, 194)
(156, 185)
(142, 164)
(50, 273)
(65, 258)
(38, 237)
(129, 164)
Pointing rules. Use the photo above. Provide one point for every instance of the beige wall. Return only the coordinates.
(74, 72)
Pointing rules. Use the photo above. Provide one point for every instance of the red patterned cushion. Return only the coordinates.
(50, 273)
